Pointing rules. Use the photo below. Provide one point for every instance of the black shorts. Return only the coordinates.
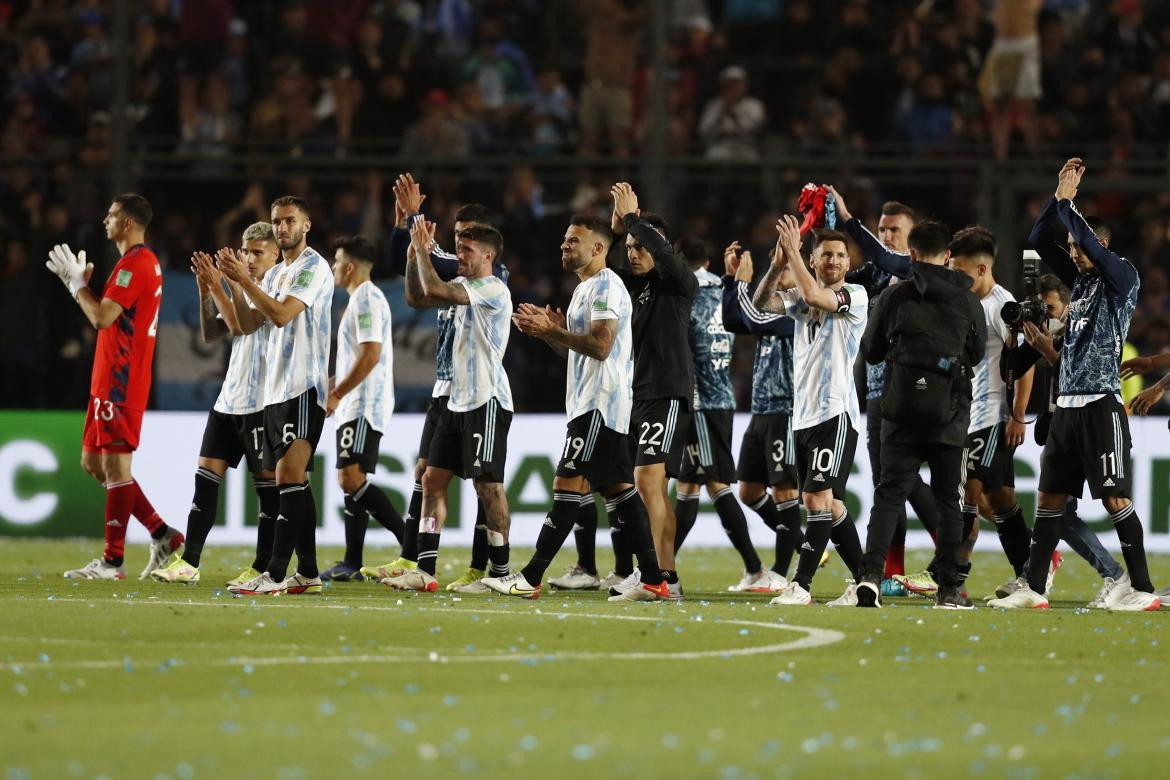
(596, 452)
(285, 422)
(1090, 443)
(658, 429)
(707, 455)
(472, 444)
(434, 410)
(228, 437)
(767, 454)
(358, 443)
(824, 455)
(989, 459)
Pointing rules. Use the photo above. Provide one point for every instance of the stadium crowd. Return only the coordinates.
(217, 83)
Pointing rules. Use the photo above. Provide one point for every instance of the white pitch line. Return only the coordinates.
(813, 637)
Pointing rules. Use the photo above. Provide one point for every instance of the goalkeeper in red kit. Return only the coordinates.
(126, 318)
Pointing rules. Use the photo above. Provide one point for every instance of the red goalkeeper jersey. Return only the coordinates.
(125, 350)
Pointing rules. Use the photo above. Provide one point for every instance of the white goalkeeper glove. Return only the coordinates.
(71, 269)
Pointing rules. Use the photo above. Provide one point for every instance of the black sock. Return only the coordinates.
(410, 524)
(307, 546)
(967, 545)
(623, 556)
(636, 523)
(428, 552)
(1045, 536)
(1133, 549)
(377, 503)
(789, 537)
(585, 534)
(160, 532)
(202, 515)
(1014, 537)
(553, 533)
(848, 544)
(356, 523)
(735, 524)
(288, 529)
(816, 538)
(767, 511)
(498, 553)
(479, 542)
(269, 495)
(670, 577)
(686, 511)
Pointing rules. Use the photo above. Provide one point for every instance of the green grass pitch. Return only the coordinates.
(138, 679)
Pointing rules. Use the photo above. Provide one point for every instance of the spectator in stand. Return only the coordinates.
(612, 36)
(436, 136)
(731, 123)
(1010, 81)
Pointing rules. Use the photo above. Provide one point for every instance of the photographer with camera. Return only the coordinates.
(1089, 436)
(1043, 341)
(930, 331)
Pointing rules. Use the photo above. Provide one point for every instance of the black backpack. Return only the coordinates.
(926, 379)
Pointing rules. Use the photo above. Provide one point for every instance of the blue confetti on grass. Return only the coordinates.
(583, 752)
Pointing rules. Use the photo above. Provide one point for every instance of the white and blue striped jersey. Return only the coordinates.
(481, 329)
(988, 389)
(243, 384)
(366, 320)
(297, 356)
(605, 385)
(825, 345)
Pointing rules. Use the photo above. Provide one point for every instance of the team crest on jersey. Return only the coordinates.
(124, 277)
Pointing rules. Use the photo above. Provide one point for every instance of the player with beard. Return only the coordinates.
(235, 425)
(596, 338)
(296, 300)
(662, 289)
(830, 317)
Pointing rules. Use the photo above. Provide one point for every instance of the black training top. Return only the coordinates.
(662, 312)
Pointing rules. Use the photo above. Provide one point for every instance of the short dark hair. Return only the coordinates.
(695, 251)
(473, 212)
(1051, 283)
(1100, 229)
(136, 208)
(291, 200)
(930, 238)
(483, 234)
(594, 225)
(357, 248)
(974, 240)
(822, 235)
(892, 208)
(655, 221)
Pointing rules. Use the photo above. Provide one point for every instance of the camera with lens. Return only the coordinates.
(1031, 307)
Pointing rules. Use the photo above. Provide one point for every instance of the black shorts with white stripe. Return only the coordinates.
(658, 431)
(358, 443)
(1091, 443)
(435, 409)
(707, 455)
(472, 444)
(299, 418)
(767, 454)
(598, 453)
(990, 459)
(824, 455)
(229, 437)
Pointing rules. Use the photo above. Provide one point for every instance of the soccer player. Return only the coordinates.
(996, 426)
(235, 425)
(296, 301)
(126, 318)
(706, 458)
(596, 338)
(886, 258)
(767, 457)
(830, 318)
(662, 289)
(1089, 435)
(471, 436)
(408, 200)
(363, 400)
